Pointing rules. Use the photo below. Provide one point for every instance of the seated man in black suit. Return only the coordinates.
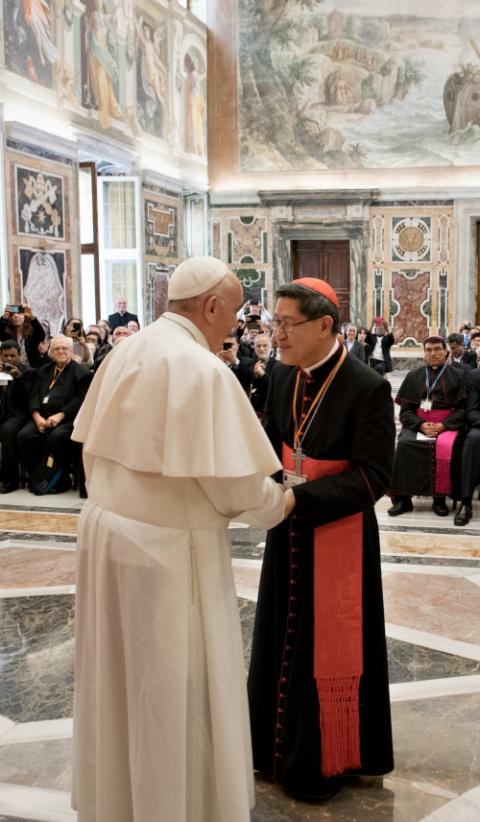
(458, 354)
(54, 404)
(354, 348)
(122, 316)
(433, 401)
(241, 366)
(16, 386)
(263, 362)
(471, 450)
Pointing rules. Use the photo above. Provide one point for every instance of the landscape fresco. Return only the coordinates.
(322, 86)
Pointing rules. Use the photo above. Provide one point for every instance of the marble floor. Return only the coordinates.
(431, 573)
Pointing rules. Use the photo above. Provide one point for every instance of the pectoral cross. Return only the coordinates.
(298, 458)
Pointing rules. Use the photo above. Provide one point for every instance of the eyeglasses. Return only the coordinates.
(286, 326)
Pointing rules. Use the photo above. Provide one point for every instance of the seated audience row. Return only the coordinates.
(438, 450)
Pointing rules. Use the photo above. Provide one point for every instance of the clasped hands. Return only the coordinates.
(432, 429)
(51, 422)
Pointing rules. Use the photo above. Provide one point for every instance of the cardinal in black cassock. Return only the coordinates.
(318, 681)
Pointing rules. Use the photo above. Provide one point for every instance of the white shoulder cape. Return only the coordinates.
(162, 402)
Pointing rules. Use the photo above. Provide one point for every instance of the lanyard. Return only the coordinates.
(431, 388)
(300, 431)
(56, 374)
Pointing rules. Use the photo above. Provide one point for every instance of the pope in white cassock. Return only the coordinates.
(173, 451)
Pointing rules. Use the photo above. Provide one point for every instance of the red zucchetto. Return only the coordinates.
(315, 284)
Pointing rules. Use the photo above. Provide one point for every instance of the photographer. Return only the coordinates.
(20, 324)
(81, 351)
(17, 381)
(241, 366)
(380, 340)
(254, 310)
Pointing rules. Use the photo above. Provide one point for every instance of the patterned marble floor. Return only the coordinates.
(431, 573)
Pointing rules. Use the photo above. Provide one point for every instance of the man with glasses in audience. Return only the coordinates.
(56, 399)
(318, 682)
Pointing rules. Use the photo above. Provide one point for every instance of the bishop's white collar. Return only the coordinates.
(311, 368)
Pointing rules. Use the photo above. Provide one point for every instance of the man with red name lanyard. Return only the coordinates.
(432, 400)
(318, 682)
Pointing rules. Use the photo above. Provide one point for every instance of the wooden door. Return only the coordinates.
(330, 261)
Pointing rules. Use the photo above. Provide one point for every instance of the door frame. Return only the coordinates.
(355, 233)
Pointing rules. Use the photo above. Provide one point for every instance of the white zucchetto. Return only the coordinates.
(195, 276)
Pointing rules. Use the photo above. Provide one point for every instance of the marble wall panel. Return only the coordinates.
(42, 237)
(163, 249)
(161, 229)
(411, 269)
(410, 310)
(242, 237)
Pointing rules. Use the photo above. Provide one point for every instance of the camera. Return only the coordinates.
(7, 366)
(76, 327)
(15, 309)
(227, 346)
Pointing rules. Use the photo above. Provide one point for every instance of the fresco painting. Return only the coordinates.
(30, 47)
(115, 60)
(195, 122)
(100, 88)
(152, 75)
(330, 84)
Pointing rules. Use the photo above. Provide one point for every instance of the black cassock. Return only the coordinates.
(355, 423)
(414, 463)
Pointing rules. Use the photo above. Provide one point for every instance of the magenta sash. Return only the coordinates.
(443, 449)
(338, 621)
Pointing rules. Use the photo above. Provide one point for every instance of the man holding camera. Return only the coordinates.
(380, 340)
(241, 366)
(20, 324)
(17, 382)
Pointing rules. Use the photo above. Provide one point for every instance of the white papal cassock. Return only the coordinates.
(173, 452)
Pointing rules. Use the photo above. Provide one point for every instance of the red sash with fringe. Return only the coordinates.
(443, 449)
(338, 622)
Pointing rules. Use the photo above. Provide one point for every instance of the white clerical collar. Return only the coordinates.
(193, 329)
(311, 368)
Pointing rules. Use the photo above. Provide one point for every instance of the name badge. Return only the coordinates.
(426, 405)
(290, 479)
(45, 399)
